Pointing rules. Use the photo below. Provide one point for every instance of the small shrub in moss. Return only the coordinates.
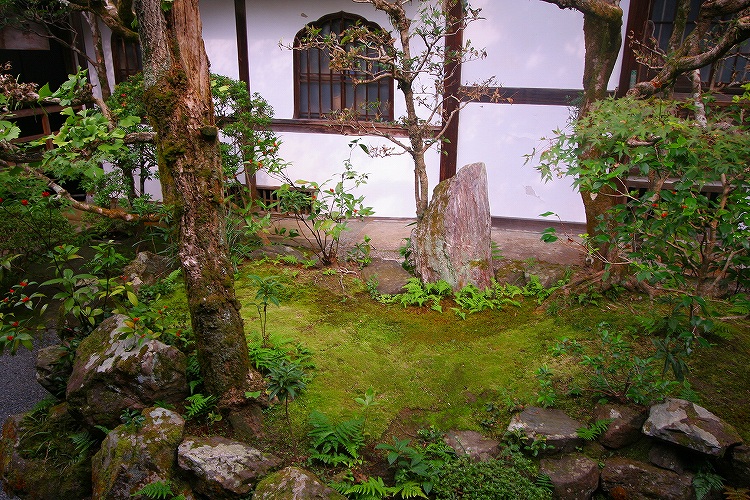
(510, 477)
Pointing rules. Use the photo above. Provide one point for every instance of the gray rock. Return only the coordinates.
(666, 457)
(389, 274)
(558, 429)
(112, 374)
(473, 445)
(53, 368)
(573, 476)
(626, 478)
(625, 427)
(735, 466)
(131, 458)
(277, 251)
(222, 468)
(292, 483)
(691, 426)
(147, 268)
(452, 241)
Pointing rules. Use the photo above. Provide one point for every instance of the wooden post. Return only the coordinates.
(452, 83)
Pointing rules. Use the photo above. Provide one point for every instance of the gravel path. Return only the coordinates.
(19, 392)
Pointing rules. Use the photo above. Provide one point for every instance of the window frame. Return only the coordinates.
(122, 58)
(337, 78)
(640, 15)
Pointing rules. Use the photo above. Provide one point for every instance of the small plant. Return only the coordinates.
(360, 253)
(615, 372)
(546, 395)
(269, 292)
(133, 419)
(417, 466)
(286, 380)
(366, 401)
(199, 405)
(594, 430)
(705, 481)
(336, 444)
(158, 490)
(322, 210)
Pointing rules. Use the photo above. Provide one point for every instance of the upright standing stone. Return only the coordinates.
(452, 241)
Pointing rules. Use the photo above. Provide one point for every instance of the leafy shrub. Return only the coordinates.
(417, 466)
(614, 371)
(511, 477)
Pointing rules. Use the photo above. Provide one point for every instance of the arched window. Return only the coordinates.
(126, 58)
(320, 91)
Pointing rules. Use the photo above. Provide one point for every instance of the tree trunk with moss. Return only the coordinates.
(178, 102)
(602, 24)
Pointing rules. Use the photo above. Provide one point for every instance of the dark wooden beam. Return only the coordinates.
(451, 85)
(243, 60)
(527, 95)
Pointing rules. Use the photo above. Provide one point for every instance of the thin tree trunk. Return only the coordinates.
(177, 95)
(99, 65)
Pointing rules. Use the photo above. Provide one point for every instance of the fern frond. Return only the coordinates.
(410, 489)
(158, 490)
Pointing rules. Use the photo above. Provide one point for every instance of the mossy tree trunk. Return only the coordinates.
(178, 103)
(602, 24)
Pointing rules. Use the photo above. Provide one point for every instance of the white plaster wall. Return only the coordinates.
(529, 44)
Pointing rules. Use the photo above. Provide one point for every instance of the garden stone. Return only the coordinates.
(147, 268)
(53, 368)
(558, 429)
(626, 478)
(735, 466)
(222, 468)
(34, 478)
(112, 374)
(131, 458)
(667, 457)
(292, 483)
(389, 274)
(625, 427)
(452, 241)
(691, 426)
(473, 445)
(574, 476)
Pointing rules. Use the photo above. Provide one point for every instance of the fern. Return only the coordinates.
(198, 404)
(736, 493)
(336, 444)
(158, 490)
(544, 481)
(83, 441)
(705, 481)
(594, 430)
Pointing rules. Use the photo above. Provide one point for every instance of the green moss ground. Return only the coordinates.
(434, 368)
(431, 368)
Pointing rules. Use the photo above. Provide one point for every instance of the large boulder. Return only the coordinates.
(553, 426)
(691, 426)
(147, 268)
(29, 474)
(573, 476)
(111, 374)
(473, 445)
(452, 241)
(626, 478)
(131, 457)
(625, 426)
(222, 468)
(292, 483)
